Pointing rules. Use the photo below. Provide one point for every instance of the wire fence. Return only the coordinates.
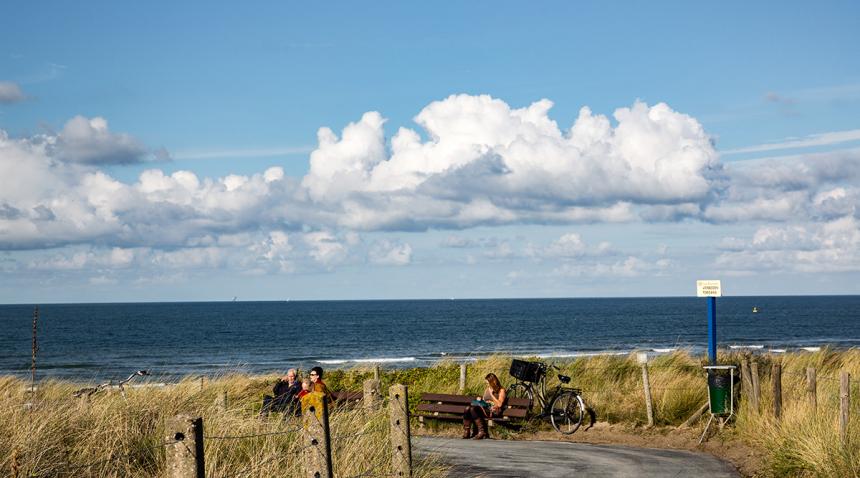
(625, 379)
(355, 420)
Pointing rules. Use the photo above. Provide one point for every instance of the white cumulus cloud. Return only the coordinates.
(487, 163)
(832, 246)
(89, 141)
(472, 161)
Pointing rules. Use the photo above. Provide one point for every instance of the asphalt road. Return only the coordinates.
(547, 459)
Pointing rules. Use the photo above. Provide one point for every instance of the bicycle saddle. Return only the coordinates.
(563, 378)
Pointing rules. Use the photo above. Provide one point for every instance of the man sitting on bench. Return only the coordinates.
(285, 391)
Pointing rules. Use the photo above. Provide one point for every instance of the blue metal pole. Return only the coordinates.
(712, 330)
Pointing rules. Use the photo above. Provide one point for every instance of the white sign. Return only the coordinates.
(708, 288)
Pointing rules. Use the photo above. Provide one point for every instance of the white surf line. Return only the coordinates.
(367, 360)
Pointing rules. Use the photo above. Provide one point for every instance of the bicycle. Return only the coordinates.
(564, 405)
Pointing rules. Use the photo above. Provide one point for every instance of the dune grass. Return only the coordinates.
(804, 442)
(52, 434)
(58, 435)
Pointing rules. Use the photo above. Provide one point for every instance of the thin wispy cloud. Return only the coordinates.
(48, 72)
(774, 97)
(845, 92)
(242, 153)
(820, 139)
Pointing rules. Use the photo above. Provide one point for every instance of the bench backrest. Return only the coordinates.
(347, 396)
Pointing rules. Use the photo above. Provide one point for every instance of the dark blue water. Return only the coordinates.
(97, 341)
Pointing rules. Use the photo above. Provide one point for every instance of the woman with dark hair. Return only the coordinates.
(316, 375)
(489, 406)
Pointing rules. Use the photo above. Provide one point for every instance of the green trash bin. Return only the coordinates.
(719, 391)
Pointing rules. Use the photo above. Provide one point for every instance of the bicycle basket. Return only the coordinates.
(526, 371)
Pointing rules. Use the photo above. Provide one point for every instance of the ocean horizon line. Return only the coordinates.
(439, 299)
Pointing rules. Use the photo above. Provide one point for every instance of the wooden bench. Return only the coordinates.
(440, 406)
(347, 398)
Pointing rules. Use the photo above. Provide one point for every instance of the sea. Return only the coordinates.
(96, 342)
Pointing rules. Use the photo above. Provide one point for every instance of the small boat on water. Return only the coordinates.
(755, 310)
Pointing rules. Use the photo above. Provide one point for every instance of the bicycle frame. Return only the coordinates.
(563, 405)
(538, 390)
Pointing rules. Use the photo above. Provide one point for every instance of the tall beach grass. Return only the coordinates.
(50, 433)
(803, 442)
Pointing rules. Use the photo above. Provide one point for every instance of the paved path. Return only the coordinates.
(547, 459)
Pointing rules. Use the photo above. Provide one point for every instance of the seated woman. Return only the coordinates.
(492, 406)
(316, 375)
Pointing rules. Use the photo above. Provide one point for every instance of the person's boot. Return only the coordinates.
(482, 430)
(467, 428)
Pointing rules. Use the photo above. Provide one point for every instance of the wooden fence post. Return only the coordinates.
(756, 385)
(317, 436)
(462, 377)
(185, 456)
(221, 401)
(376, 372)
(746, 378)
(776, 381)
(646, 386)
(371, 397)
(844, 405)
(401, 439)
(812, 387)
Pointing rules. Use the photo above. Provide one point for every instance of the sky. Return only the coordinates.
(173, 151)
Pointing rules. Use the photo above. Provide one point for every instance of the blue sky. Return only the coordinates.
(133, 134)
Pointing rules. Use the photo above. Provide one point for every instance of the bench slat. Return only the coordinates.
(515, 413)
(441, 416)
(441, 408)
(446, 398)
(518, 402)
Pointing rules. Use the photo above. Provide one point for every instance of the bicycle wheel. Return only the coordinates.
(520, 390)
(566, 412)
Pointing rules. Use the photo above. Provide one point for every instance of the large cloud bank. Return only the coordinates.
(474, 160)
(483, 163)
(487, 163)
